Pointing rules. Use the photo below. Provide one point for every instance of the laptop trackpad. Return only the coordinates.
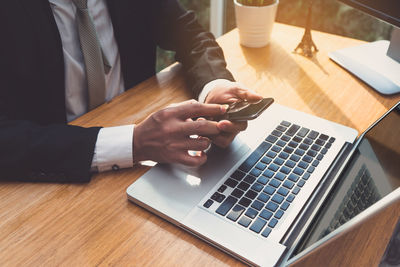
(173, 190)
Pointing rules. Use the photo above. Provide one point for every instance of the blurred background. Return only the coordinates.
(327, 15)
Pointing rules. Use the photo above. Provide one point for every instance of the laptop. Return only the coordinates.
(286, 185)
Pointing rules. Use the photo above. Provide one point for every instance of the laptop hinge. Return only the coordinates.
(302, 220)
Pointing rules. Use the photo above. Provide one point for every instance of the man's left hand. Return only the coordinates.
(225, 93)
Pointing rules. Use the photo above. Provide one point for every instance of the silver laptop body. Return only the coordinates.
(183, 195)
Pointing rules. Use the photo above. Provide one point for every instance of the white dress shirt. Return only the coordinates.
(113, 148)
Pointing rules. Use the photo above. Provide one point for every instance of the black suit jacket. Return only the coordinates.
(36, 144)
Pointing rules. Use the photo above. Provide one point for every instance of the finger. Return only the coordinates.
(232, 126)
(223, 140)
(196, 109)
(193, 161)
(200, 127)
(248, 95)
(196, 144)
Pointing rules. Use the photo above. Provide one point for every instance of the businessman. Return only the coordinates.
(62, 58)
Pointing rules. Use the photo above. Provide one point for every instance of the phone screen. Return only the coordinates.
(243, 110)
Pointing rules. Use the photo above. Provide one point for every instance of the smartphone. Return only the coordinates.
(243, 110)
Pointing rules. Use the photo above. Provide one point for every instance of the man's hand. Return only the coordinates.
(165, 135)
(229, 92)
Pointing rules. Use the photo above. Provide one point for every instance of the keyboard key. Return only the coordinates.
(308, 141)
(304, 146)
(292, 130)
(285, 123)
(269, 190)
(218, 197)
(266, 160)
(276, 133)
(285, 138)
(320, 157)
(293, 144)
(237, 193)
(313, 135)
(251, 194)
(290, 163)
(285, 170)
(266, 214)
(307, 158)
(297, 139)
(271, 154)
(208, 203)
(235, 213)
(280, 176)
(276, 149)
(279, 214)
(281, 128)
(244, 221)
(296, 190)
(273, 167)
(256, 172)
(263, 197)
(306, 176)
(271, 138)
(226, 205)
(299, 152)
(298, 171)
(303, 132)
(332, 139)
(301, 183)
(230, 182)
(324, 137)
(288, 150)
(222, 188)
(275, 183)
(315, 163)
(311, 169)
(266, 232)
(320, 142)
(312, 153)
(244, 186)
(295, 158)
(328, 145)
(272, 206)
(268, 173)
(244, 201)
(283, 191)
(255, 156)
(279, 161)
(293, 177)
(263, 180)
(261, 166)
(290, 197)
(257, 187)
(285, 205)
(324, 150)
(277, 198)
(238, 175)
(316, 147)
(272, 223)
(288, 184)
(281, 143)
(283, 155)
(257, 205)
(303, 165)
(252, 213)
(258, 225)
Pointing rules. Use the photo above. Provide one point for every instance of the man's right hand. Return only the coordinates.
(165, 135)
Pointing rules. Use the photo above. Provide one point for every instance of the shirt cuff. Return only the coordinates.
(209, 86)
(113, 148)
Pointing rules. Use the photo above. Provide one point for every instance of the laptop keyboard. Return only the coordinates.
(267, 182)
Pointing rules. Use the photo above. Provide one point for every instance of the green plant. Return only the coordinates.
(256, 2)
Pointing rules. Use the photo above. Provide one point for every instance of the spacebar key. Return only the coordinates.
(254, 157)
(226, 205)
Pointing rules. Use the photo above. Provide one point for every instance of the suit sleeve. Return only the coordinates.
(54, 153)
(201, 56)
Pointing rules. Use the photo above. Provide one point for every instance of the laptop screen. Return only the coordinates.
(372, 172)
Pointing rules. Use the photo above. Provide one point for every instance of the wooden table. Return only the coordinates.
(95, 224)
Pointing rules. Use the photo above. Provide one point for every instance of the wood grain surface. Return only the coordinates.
(94, 224)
